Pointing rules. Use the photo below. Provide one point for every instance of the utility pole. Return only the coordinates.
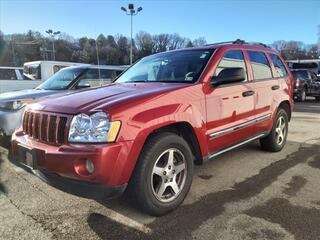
(132, 12)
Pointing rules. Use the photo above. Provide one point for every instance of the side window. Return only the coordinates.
(231, 59)
(260, 65)
(279, 66)
(8, 74)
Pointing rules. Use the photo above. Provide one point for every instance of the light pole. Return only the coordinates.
(52, 34)
(132, 12)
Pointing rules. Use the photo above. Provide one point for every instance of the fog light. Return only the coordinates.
(89, 166)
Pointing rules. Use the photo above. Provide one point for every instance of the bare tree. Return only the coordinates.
(161, 42)
(176, 41)
(198, 42)
(144, 43)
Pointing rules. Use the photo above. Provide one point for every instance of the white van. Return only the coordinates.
(30, 76)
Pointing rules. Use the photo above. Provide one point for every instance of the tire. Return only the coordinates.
(153, 173)
(273, 142)
(303, 95)
(318, 98)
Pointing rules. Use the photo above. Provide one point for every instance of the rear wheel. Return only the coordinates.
(276, 140)
(163, 174)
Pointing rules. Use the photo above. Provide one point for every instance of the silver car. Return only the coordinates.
(68, 79)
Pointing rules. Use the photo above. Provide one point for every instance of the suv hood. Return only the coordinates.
(26, 94)
(102, 98)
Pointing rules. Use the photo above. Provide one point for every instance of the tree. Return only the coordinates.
(189, 44)
(161, 42)
(123, 48)
(198, 42)
(176, 41)
(145, 44)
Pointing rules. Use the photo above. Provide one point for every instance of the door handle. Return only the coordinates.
(247, 93)
(275, 87)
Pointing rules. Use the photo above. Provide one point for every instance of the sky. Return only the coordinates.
(261, 21)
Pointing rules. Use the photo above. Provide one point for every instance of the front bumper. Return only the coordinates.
(10, 120)
(78, 188)
(59, 166)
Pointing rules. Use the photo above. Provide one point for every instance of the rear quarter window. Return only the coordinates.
(260, 65)
(281, 70)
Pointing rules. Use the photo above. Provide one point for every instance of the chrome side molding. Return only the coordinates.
(240, 126)
(234, 146)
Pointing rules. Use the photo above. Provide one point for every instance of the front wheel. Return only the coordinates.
(163, 174)
(277, 138)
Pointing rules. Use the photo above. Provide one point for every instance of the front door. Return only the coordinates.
(229, 106)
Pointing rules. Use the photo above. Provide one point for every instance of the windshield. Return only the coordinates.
(32, 71)
(300, 74)
(178, 66)
(61, 80)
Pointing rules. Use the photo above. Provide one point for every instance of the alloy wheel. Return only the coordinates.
(281, 130)
(169, 175)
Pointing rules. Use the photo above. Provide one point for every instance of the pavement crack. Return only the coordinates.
(26, 214)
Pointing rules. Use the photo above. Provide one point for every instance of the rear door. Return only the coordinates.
(229, 106)
(266, 87)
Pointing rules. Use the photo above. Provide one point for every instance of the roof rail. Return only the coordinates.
(259, 43)
(239, 41)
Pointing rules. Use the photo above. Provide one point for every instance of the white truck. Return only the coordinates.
(30, 76)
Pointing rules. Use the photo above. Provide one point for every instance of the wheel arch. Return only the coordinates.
(286, 106)
(187, 132)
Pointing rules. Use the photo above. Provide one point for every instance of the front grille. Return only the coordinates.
(46, 127)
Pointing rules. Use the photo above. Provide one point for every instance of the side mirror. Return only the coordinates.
(229, 75)
(82, 85)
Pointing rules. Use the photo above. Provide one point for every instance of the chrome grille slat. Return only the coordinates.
(46, 127)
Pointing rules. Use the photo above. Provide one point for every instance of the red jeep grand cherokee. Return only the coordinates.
(145, 131)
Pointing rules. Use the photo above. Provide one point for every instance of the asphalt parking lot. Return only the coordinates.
(243, 194)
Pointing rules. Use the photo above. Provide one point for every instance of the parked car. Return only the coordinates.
(32, 74)
(8, 75)
(12, 104)
(305, 83)
(312, 65)
(144, 132)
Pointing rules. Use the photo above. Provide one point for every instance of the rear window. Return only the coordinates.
(8, 74)
(300, 74)
(279, 66)
(260, 65)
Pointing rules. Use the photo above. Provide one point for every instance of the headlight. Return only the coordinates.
(96, 128)
(15, 104)
(12, 105)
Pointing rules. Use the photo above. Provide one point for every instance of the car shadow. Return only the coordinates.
(190, 217)
(4, 143)
(2, 187)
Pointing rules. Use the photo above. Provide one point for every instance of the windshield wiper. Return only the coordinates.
(137, 81)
